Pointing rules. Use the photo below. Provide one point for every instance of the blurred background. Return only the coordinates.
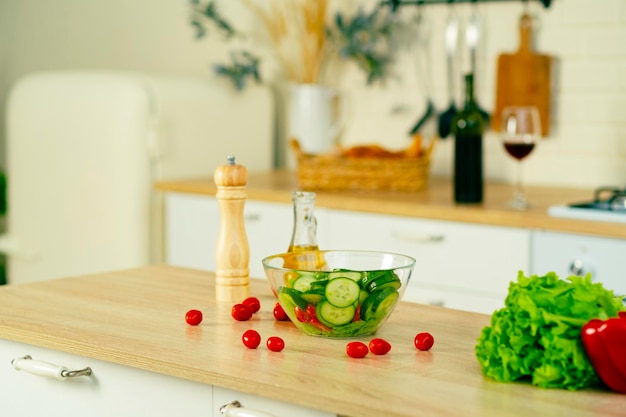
(586, 145)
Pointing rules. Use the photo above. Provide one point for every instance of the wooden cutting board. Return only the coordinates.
(524, 78)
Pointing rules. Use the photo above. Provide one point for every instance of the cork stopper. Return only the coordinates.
(231, 174)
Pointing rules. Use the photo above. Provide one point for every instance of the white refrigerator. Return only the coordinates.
(84, 149)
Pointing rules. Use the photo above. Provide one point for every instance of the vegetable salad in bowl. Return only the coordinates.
(337, 293)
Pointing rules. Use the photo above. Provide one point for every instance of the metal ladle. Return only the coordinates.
(451, 41)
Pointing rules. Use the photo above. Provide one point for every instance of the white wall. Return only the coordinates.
(587, 146)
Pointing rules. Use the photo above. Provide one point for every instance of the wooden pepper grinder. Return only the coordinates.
(232, 252)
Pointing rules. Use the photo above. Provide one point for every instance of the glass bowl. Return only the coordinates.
(338, 293)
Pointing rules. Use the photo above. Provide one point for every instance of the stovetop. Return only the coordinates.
(608, 204)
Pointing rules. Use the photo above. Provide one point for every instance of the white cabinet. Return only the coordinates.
(567, 254)
(111, 390)
(192, 224)
(459, 265)
(115, 390)
(250, 403)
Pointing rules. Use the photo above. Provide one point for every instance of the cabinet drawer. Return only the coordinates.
(472, 259)
(192, 225)
(566, 254)
(223, 396)
(111, 390)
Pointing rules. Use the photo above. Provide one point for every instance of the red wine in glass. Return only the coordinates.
(521, 128)
(519, 150)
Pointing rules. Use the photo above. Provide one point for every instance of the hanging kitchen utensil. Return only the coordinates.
(422, 59)
(451, 44)
(523, 79)
(472, 36)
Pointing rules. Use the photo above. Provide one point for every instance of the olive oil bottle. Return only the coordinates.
(303, 252)
(304, 236)
(468, 128)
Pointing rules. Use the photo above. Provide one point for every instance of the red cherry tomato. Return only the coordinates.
(357, 314)
(251, 339)
(241, 312)
(279, 313)
(310, 310)
(275, 343)
(301, 315)
(253, 303)
(193, 317)
(424, 341)
(356, 349)
(379, 346)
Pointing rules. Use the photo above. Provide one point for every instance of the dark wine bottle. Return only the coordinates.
(468, 127)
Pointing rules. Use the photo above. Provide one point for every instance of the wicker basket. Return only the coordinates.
(332, 172)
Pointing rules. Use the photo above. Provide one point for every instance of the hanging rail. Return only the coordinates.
(395, 4)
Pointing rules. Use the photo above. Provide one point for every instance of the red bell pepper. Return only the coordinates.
(605, 343)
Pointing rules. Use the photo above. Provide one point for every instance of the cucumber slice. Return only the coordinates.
(312, 297)
(303, 283)
(342, 292)
(355, 276)
(319, 286)
(333, 316)
(362, 296)
(378, 279)
(383, 282)
(379, 303)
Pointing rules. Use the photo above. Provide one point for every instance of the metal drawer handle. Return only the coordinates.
(577, 267)
(416, 237)
(252, 217)
(235, 409)
(40, 368)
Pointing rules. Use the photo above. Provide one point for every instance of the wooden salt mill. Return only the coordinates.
(232, 252)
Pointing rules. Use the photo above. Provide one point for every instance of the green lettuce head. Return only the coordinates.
(536, 335)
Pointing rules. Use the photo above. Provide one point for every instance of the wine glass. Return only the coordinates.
(521, 128)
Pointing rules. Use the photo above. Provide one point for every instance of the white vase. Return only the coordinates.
(316, 117)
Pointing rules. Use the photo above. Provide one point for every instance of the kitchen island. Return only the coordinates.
(135, 319)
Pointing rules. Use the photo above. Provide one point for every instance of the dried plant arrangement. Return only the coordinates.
(303, 39)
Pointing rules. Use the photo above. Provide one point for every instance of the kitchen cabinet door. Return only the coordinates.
(567, 254)
(459, 265)
(111, 390)
(252, 403)
(192, 224)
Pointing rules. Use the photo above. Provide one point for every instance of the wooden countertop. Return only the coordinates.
(433, 203)
(136, 318)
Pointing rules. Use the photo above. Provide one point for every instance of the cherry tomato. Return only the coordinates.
(251, 339)
(424, 341)
(241, 312)
(310, 310)
(356, 349)
(301, 315)
(275, 343)
(253, 303)
(193, 317)
(379, 346)
(279, 313)
(357, 314)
